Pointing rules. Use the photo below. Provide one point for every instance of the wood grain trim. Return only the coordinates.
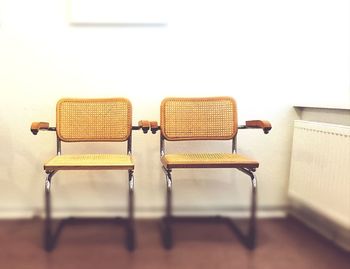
(37, 126)
(262, 124)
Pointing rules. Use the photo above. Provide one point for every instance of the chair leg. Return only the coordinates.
(252, 224)
(48, 236)
(130, 230)
(251, 237)
(167, 234)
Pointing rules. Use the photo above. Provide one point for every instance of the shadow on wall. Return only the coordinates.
(18, 179)
(6, 164)
(6, 156)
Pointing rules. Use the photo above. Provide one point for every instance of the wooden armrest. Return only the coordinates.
(154, 127)
(36, 126)
(144, 125)
(262, 124)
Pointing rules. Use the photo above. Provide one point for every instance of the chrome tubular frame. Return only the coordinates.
(129, 146)
(50, 237)
(169, 182)
(251, 237)
(59, 146)
(130, 227)
(234, 144)
(162, 148)
(48, 233)
(167, 235)
(248, 239)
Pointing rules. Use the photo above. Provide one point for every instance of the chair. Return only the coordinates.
(90, 120)
(212, 118)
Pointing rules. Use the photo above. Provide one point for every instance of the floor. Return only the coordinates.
(282, 243)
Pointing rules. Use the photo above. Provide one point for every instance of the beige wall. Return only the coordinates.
(268, 55)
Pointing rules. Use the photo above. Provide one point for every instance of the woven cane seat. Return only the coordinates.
(207, 160)
(90, 162)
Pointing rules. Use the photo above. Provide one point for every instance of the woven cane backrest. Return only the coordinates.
(212, 118)
(93, 120)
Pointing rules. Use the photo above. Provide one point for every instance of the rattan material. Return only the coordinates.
(213, 118)
(80, 120)
(207, 160)
(90, 162)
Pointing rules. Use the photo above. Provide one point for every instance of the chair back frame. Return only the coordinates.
(208, 118)
(93, 120)
(105, 106)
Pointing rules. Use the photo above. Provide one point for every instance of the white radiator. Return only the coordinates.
(320, 170)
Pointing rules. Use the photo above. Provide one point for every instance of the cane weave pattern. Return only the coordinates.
(207, 160)
(80, 120)
(213, 118)
(89, 162)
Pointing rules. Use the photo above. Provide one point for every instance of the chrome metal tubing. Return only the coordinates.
(135, 128)
(162, 149)
(167, 234)
(169, 194)
(234, 144)
(252, 224)
(59, 146)
(48, 235)
(251, 237)
(130, 227)
(242, 127)
(129, 146)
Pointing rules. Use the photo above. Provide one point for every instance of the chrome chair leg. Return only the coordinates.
(251, 237)
(252, 224)
(130, 230)
(248, 239)
(167, 234)
(48, 235)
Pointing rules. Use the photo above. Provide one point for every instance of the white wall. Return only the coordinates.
(268, 55)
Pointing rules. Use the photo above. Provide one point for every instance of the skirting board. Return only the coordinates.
(331, 230)
(142, 213)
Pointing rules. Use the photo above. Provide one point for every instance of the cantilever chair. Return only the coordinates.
(90, 120)
(212, 118)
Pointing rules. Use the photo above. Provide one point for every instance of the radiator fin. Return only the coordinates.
(320, 169)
